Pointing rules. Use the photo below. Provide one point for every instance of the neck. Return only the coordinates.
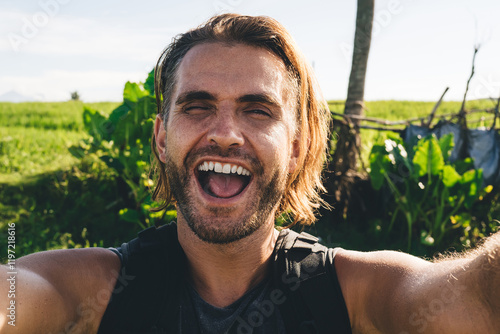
(221, 274)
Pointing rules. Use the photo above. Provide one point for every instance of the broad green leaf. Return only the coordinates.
(118, 114)
(461, 166)
(446, 144)
(132, 93)
(379, 165)
(471, 176)
(136, 124)
(428, 157)
(450, 176)
(149, 84)
(472, 181)
(94, 121)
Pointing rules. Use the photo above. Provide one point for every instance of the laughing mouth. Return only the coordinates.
(222, 180)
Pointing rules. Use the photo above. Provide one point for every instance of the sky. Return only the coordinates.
(50, 48)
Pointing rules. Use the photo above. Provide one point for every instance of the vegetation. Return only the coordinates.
(426, 188)
(122, 141)
(76, 175)
(34, 137)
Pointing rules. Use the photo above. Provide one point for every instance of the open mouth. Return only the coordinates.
(222, 180)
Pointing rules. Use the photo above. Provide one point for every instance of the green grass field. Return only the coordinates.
(34, 137)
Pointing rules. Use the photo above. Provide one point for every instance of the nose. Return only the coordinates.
(225, 132)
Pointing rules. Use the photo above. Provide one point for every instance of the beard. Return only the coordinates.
(218, 229)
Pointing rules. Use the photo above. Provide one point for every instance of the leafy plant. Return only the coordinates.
(427, 189)
(122, 140)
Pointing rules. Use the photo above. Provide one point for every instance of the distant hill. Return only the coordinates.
(13, 96)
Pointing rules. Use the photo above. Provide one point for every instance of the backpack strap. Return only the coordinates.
(304, 270)
(148, 284)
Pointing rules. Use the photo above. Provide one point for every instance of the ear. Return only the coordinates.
(160, 134)
(294, 156)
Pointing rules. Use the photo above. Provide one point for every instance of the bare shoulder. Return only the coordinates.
(394, 292)
(70, 267)
(375, 287)
(63, 290)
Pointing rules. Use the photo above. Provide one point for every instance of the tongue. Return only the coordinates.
(225, 185)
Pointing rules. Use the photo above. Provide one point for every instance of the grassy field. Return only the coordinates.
(34, 137)
(57, 201)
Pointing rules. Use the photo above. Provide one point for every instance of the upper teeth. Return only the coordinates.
(223, 168)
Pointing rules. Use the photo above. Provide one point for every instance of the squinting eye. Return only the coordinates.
(258, 112)
(193, 110)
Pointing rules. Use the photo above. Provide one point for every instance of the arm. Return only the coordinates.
(58, 291)
(391, 292)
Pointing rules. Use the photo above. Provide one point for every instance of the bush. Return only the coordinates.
(433, 196)
(66, 209)
(122, 141)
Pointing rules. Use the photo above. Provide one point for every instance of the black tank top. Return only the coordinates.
(152, 295)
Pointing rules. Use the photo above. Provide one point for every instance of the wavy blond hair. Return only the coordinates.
(302, 193)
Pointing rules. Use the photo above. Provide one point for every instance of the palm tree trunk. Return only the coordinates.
(362, 41)
(344, 164)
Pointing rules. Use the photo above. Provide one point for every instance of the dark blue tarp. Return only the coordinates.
(483, 146)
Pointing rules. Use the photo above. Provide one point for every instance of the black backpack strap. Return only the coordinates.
(305, 272)
(148, 285)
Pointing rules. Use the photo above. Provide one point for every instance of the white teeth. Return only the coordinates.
(223, 168)
(226, 169)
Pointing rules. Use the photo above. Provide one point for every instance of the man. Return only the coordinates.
(240, 138)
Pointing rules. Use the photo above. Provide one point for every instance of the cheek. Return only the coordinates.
(179, 139)
(276, 146)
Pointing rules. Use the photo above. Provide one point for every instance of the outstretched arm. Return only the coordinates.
(57, 291)
(391, 292)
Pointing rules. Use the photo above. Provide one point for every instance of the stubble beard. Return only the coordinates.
(219, 230)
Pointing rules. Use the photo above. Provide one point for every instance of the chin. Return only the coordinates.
(223, 220)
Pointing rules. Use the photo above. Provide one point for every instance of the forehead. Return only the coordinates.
(227, 70)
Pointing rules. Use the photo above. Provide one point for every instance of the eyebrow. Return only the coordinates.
(261, 98)
(194, 96)
(201, 95)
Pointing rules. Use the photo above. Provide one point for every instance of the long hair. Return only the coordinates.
(301, 197)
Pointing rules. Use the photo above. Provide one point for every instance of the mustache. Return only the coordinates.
(231, 152)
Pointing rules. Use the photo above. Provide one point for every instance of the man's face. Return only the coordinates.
(229, 141)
